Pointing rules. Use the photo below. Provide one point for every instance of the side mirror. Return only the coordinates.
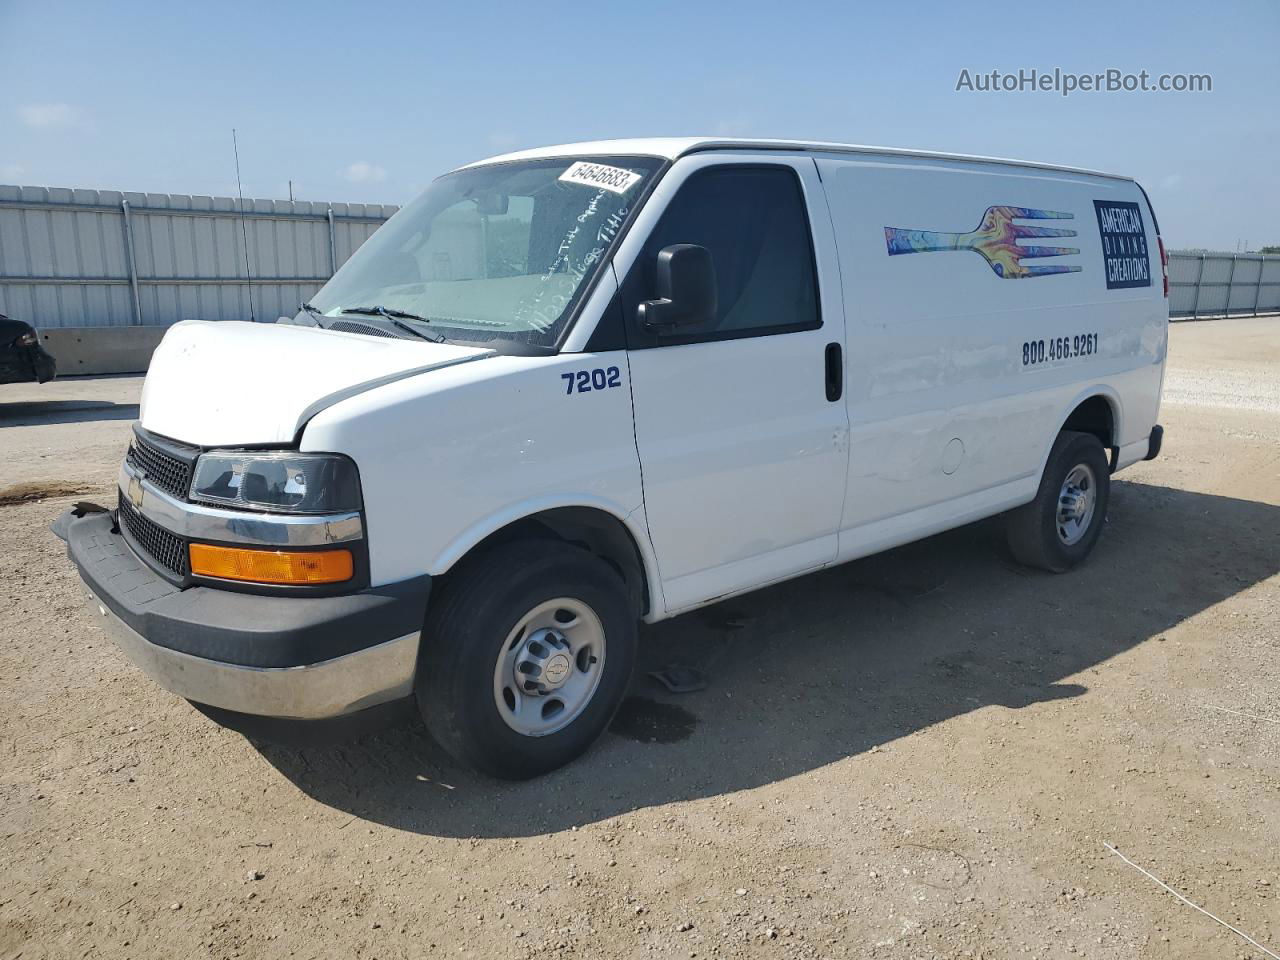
(686, 288)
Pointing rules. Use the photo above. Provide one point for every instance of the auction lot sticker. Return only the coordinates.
(613, 179)
(1124, 244)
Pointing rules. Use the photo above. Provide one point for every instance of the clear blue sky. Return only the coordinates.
(369, 101)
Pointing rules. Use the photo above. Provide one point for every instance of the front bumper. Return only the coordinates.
(297, 657)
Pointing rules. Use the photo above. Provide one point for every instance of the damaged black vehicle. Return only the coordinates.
(22, 359)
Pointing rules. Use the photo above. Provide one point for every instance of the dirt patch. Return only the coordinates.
(37, 491)
(920, 754)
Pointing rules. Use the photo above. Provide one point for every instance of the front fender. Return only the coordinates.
(450, 457)
(634, 522)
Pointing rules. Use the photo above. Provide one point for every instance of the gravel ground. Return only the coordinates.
(917, 755)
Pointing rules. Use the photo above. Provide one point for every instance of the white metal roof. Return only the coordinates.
(673, 147)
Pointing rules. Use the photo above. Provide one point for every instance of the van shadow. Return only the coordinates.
(38, 412)
(831, 665)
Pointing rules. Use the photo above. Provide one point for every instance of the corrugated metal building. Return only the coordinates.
(100, 258)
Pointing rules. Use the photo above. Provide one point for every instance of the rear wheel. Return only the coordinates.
(526, 655)
(1058, 529)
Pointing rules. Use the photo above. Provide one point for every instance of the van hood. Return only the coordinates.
(231, 383)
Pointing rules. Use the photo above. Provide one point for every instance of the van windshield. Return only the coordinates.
(504, 251)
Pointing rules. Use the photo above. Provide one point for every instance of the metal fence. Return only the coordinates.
(1222, 285)
(99, 258)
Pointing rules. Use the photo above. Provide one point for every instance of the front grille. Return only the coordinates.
(165, 548)
(165, 471)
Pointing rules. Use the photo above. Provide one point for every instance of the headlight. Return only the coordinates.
(281, 482)
(28, 339)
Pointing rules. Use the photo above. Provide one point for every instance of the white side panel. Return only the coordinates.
(744, 457)
(744, 461)
(447, 458)
(941, 405)
(1131, 453)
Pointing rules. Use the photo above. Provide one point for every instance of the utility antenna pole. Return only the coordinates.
(291, 191)
(244, 231)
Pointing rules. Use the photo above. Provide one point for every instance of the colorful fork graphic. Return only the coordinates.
(996, 238)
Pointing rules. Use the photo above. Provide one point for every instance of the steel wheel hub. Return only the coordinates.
(1076, 502)
(549, 668)
(543, 661)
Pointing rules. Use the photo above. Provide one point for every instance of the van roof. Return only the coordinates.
(673, 147)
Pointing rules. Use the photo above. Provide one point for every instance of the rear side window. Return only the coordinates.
(753, 221)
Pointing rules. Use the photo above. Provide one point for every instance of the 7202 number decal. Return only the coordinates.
(1035, 352)
(584, 381)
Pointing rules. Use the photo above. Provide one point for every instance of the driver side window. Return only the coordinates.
(752, 220)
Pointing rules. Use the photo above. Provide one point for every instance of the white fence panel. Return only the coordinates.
(1223, 285)
(100, 258)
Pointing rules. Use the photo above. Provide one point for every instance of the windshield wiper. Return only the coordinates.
(312, 312)
(381, 311)
(395, 317)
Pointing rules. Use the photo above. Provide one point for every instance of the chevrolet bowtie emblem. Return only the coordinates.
(135, 489)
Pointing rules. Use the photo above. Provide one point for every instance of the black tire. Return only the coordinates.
(1033, 530)
(467, 626)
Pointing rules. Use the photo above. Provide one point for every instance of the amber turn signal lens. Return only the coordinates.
(271, 566)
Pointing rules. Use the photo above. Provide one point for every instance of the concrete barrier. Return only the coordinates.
(98, 350)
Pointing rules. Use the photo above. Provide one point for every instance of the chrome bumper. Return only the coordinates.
(331, 688)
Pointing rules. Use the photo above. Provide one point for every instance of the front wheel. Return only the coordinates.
(526, 655)
(1057, 529)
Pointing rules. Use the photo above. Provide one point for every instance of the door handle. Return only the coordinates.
(835, 372)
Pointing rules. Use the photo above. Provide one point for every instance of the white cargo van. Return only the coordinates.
(568, 389)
